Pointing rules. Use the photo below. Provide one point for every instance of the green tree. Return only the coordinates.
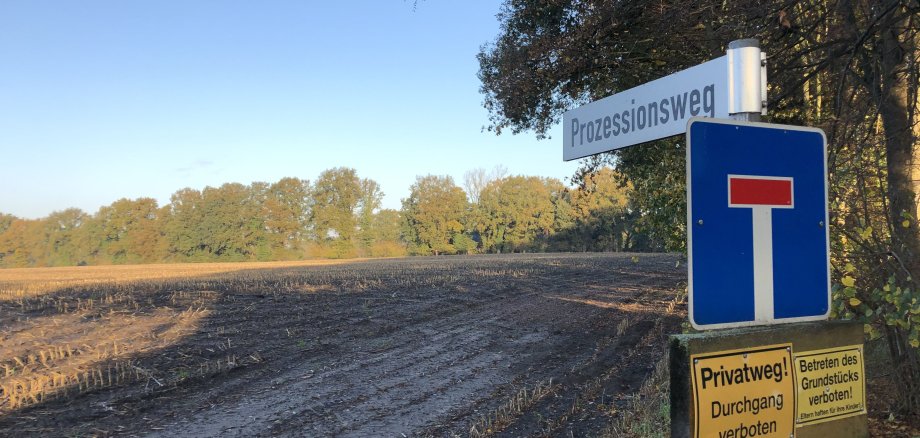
(335, 197)
(6, 221)
(61, 240)
(223, 223)
(19, 243)
(340, 202)
(128, 231)
(286, 213)
(387, 229)
(604, 221)
(387, 225)
(434, 213)
(371, 196)
(183, 241)
(231, 227)
(515, 212)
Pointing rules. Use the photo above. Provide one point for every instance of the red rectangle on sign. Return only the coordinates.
(757, 191)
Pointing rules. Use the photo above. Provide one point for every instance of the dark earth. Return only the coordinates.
(503, 345)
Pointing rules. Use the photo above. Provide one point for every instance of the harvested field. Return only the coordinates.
(506, 345)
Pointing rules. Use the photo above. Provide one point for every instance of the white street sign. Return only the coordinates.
(648, 112)
(733, 83)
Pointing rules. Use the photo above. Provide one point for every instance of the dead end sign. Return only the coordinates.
(757, 223)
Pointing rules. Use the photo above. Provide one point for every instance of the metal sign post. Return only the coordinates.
(747, 76)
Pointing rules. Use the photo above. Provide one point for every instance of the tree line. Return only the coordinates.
(338, 215)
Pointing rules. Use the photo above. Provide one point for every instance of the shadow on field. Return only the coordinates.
(430, 346)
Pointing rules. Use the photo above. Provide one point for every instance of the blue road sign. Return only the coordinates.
(757, 235)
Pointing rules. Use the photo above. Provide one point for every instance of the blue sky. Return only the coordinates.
(101, 100)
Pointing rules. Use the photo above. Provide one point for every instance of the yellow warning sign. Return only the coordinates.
(744, 393)
(830, 384)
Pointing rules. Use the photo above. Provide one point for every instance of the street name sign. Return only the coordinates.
(734, 83)
(648, 112)
(757, 235)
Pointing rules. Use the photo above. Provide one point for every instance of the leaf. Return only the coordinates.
(873, 332)
(915, 343)
(849, 268)
(906, 223)
(855, 301)
(848, 281)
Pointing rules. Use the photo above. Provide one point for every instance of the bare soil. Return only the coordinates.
(509, 345)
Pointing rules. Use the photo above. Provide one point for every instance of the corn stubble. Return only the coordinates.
(65, 332)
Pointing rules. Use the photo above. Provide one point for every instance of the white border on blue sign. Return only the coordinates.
(690, 228)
